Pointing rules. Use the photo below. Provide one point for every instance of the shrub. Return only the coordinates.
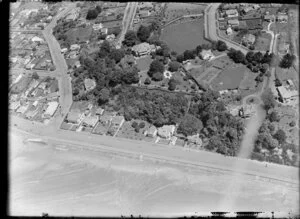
(292, 123)
(142, 125)
(134, 124)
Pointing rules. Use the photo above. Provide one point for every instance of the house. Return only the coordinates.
(287, 94)
(222, 25)
(152, 131)
(110, 37)
(52, 107)
(282, 18)
(97, 26)
(269, 17)
(290, 83)
(74, 117)
(146, 5)
(90, 121)
(105, 119)
(248, 39)
(30, 66)
(166, 131)
(144, 13)
(195, 139)
(104, 30)
(233, 23)
(256, 6)
(14, 105)
(35, 103)
(74, 47)
(64, 50)
(22, 109)
(247, 111)
(206, 54)
(233, 109)
(73, 55)
(89, 84)
(247, 9)
(229, 31)
(231, 13)
(117, 121)
(30, 114)
(99, 111)
(36, 39)
(77, 64)
(173, 140)
(143, 49)
(73, 15)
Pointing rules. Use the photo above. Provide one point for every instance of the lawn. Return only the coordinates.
(248, 82)
(127, 131)
(184, 36)
(143, 63)
(262, 43)
(183, 85)
(79, 34)
(79, 106)
(22, 85)
(229, 78)
(285, 74)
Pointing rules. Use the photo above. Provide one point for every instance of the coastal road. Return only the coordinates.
(129, 14)
(126, 147)
(211, 27)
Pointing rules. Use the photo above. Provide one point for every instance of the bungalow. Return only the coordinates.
(117, 121)
(144, 13)
(74, 117)
(52, 107)
(97, 26)
(22, 109)
(73, 54)
(249, 39)
(247, 9)
(77, 64)
(89, 84)
(173, 140)
(166, 131)
(195, 139)
(247, 111)
(90, 121)
(14, 105)
(233, 23)
(64, 50)
(104, 30)
(232, 13)
(206, 54)
(74, 47)
(143, 49)
(99, 111)
(229, 31)
(282, 18)
(110, 37)
(36, 39)
(286, 94)
(152, 131)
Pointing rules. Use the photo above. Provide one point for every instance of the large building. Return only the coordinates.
(287, 94)
(52, 107)
(166, 131)
(143, 49)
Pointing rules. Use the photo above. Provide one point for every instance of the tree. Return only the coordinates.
(188, 54)
(142, 125)
(35, 76)
(174, 66)
(143, 33)
(198, 49)
(180, 58)
(264, 68)
(258, 56)
(131, 75)
(190, 125)
(92, 14)
(155, 66)
(75, 92)
(277, 82)
(98, 9)
(117, 55)
(273, 117)
(103, 96)
(134, 124)
(172, 84)
(221, 46)
(268, 100)
(280, 136)
(147, 81)
(130, 38)
(292, 123)
(287, 61)
(157, 76)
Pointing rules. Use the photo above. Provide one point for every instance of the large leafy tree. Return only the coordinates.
(130, 38)
(143, 33)
(287, 61)
(156, 66)
(268, 99)
(174, 66)
(190, 125)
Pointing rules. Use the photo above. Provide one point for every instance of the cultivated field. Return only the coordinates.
(183, 36)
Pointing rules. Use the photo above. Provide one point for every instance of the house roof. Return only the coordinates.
(99, 111)
(117, 119)
(36, 38)
(234, 21)
(286, 92)
(142, 47)
(152, 130)
(231, 11)
(194, 139)
(74, 46)
(91, 120)
(89, 84)
(52, 106)
(166, 130)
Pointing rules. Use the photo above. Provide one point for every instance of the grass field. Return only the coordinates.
(248, 82)
(127, 131)
(143, 63)
(184, 36)
(22, 85)
(229, 79)
(79, 34)
(262, 43)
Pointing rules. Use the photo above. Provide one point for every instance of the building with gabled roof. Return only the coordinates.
(90, 121)
(152, 131)
(166, 131)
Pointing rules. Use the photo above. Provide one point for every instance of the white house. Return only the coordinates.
(229, 31)
(74, 47)
(37, 39)
(207, 54)
(166, 131)
(52, 107)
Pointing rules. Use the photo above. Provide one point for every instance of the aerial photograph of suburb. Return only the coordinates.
(153, 109)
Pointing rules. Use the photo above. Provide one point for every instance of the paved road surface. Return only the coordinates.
(210, 14)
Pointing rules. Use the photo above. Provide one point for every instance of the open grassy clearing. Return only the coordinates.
(127, 131)
(248, 82)
(262, 43)
(79, 34)
(183, 36)
(229, 79)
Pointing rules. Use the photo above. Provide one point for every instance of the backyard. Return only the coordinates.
(262, 42)
(79, 34)
(184, 36)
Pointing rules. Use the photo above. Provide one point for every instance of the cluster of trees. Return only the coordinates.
(107, 69)
(59, 31)
(191, 54)
(223, 129)
(138, 126)
(287, 61)
(156, 107)
(156, 70)
(93, 13)
(268, 100)
(255, 61)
